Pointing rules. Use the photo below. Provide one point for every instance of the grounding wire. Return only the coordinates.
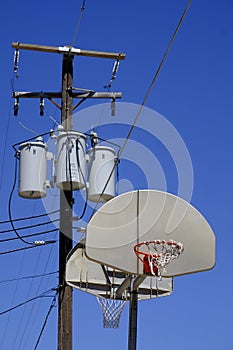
(28, 277)
(27, 301)
(144, 100)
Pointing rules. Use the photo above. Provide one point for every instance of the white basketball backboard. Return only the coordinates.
(102, 281)
(146, 215)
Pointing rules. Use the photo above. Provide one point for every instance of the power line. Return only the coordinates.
(78, 22)
(15, 75)
(26, 236)
(9, 207)
(45, 321)
(30, 217)
(144, 101)
(29, 321)
(156, 75)
(10, 216)
(15, 289)
(28, 301)
(28, 277)
(5, 143)
(26, 324)
(29, 226)
(25, 248)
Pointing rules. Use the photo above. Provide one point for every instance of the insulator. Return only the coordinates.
(41, 106)
(115, 69)
(16, 61)
(39, 242)
(113, 107)
(94, 139)
(16, 106)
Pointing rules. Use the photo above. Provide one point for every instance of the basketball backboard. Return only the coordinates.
(102, 281)
(146, 215)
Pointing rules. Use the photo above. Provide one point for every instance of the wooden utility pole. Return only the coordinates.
(66, 208)
(67, 95)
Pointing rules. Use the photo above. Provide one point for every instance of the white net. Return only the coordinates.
(112, 310)
(158, 254)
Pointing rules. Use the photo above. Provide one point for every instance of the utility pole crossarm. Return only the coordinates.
(68, 50)
(29, 94)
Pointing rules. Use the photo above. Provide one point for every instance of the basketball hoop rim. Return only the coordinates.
(155, 241)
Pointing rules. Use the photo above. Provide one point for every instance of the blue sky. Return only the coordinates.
(193, 92)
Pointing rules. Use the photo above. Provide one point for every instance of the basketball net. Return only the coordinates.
(156, 255)
(112, 310)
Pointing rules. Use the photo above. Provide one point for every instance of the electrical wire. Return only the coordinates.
(28, 277)
(156, 75)
(30, 226)
(78, 22)
(25, 127)
(15, 289)
(68, 152)
(5, 143)
(10, 216)
(145, 99)
(82, 175)
(31, 139)
(52, 305)
(107, 141)
(29, 320)
(25, 248)
(16, 58)
(9, 207)
(30, 217)
(31, 130)
(28, 301)
(26, 236)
